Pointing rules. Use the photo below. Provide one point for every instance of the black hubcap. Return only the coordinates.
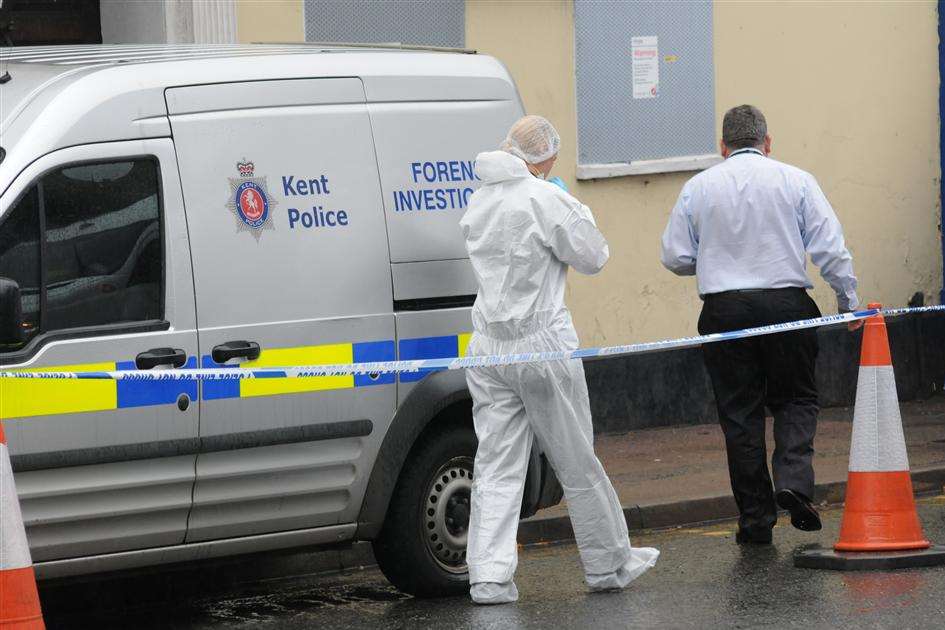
(457, 514)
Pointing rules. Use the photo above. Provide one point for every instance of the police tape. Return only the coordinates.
(426, 365)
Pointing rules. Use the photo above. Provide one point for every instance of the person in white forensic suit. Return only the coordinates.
(522, 233)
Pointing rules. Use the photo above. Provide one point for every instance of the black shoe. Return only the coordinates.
(803, 514)
(753, 536)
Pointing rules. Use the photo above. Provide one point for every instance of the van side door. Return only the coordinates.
(291, 268)
(426, 151)
(94, 241)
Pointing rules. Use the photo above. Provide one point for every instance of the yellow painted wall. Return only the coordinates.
(850, 92)
(856, 105)
(269, 21)
(634, 298)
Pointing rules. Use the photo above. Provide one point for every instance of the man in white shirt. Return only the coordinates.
(745, 228)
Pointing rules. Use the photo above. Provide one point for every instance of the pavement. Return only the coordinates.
(676, 476)
(702, 580)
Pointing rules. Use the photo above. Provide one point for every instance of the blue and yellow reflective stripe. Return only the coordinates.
(23, 398)
(37, 397)
(444, 347)
(369, 352)
(306, 355)
(33, 397)
(363, 352)
(149, 393)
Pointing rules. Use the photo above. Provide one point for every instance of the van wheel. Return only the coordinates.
(422, 546)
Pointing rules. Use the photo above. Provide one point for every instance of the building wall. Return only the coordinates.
(169, 21)
(850, 93)
(133, 23)
(857, 106)
(269, 21)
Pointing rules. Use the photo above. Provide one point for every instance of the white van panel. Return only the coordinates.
(425, 153)
(433, 279)
(380, 89)
(321, 250)
(197, 99)
(290, 252)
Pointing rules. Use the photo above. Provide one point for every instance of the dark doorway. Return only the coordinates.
(41, 22)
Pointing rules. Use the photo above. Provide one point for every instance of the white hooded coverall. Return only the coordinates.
(522, 233)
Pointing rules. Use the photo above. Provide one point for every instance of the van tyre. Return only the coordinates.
(422, 546)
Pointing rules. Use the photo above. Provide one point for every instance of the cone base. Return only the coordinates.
(896, 546)
(824, 558)
(879, 513)
(19, 601)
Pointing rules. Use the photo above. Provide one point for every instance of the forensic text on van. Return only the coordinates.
(450, 197)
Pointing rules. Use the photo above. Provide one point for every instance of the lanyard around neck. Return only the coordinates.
(746, 150)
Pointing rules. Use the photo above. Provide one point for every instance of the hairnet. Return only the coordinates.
(532, 138)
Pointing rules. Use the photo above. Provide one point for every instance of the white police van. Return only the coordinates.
(255, 206)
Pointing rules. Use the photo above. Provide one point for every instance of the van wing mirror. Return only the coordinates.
(11, 316)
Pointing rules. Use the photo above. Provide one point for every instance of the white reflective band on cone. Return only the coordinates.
(878, 442)
(14, 551)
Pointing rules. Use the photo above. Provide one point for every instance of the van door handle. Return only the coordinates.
(235, 350)
(161, 356)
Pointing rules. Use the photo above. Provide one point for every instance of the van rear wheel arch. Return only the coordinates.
(439, 399)
(422, 546)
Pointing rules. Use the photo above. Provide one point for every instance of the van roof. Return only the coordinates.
(126, 53)
(99, 93)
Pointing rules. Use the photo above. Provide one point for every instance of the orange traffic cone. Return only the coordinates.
(19, 601)
(879, 514)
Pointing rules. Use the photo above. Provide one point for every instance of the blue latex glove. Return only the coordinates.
(557, 181)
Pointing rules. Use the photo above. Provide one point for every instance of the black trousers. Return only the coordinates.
(747, 375)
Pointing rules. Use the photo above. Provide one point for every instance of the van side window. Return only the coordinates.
(20, 273)
(100, 245)
(103, 244)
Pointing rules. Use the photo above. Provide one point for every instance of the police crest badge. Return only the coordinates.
(249, 201)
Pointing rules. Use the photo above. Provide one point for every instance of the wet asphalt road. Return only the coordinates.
(703, 580)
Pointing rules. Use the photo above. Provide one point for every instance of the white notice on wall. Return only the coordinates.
(644, 51)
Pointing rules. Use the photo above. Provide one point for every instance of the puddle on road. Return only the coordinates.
(299, 600)
(264, 602)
